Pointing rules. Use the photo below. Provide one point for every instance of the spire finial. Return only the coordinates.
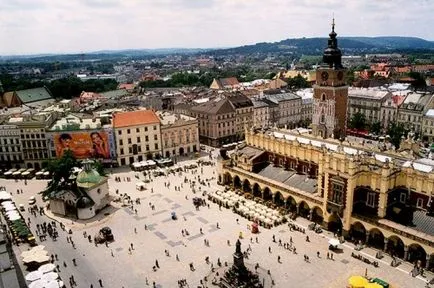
(333, 23)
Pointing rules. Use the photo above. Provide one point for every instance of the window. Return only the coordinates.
(120, 133)
(130, 150)
(147, 147)
(137, 130)
(138, 139)
(337, 193)
(370, 201)
(403, 197)
(155, 127)
(156, 146)
(155, 137)
(419, 203)
(129, 140)
(146, 129)
(121, 142)
(122, 150)
(146, 138)
(323, 97)
(128, 131)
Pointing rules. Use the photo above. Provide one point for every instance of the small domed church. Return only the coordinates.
(90, 195)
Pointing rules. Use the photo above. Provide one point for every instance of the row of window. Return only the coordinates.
(32, 136)
(121, 142)
(10, 149)
(9, 158)
(7, 141)
(138, 130)
(137, 149)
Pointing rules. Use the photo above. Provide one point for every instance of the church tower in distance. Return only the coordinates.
(330, 93)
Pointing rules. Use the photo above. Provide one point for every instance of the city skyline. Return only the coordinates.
(45, 26)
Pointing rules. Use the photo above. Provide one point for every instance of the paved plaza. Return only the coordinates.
(117, 267)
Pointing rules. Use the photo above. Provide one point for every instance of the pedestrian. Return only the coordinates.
(111, 251)
(132, 246)
(177, 258)
(318, 254)
(331, 256)
(156, 264)
(100, 283)
(269, 249)
(135, 230)
(201, 231)
(328, 255)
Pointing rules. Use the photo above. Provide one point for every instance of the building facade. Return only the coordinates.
(428, 126)
(86, 138)
(369, 102)
(379, 199)
(138, 136)
(411, 111)
(216, 121)
(243, 113)
(11, 155)
(289, 108)
(179, 134)
(34, 141)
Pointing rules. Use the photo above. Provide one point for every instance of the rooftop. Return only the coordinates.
(222, 106)
(135, 118)
(33, 95)
(381, 157)
(168, 118)
(374, 94)
(290, 178)
(73, 122)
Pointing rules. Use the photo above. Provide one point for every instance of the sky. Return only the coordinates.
(76, 26)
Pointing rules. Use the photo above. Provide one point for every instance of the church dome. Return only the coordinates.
(84, 202)
(88, 177)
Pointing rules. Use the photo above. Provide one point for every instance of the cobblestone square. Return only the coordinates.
(131, 270)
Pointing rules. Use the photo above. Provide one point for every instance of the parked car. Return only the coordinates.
(32, 200)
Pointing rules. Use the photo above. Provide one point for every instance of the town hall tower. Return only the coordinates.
(330, 96)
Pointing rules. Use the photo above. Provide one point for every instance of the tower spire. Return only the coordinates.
(333, 23)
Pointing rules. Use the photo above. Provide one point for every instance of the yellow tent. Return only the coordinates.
(357, 281)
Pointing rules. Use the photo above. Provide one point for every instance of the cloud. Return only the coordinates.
(39, 26)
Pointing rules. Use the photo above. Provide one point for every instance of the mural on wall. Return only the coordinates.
(83, 145)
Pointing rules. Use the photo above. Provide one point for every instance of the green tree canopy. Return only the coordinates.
(60, 170)
(396, 131)
(358, 121)
(375, 128)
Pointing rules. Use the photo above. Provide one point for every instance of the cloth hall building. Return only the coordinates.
(380, 198)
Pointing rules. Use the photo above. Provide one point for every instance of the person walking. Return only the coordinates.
(100, 283)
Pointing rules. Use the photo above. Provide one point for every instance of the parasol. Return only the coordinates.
(357, 281)
(33, 276)
(47, 268)
(50, 276)
(37, 284)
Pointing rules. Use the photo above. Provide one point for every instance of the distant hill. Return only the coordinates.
(315, 45)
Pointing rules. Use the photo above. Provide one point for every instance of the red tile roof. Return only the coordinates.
(127, 86)
(135, 118)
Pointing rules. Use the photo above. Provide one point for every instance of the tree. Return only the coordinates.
(97, 165)
(396, 131)
(60, 170)
(419, 81)
(358, 121)
(375, 128)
